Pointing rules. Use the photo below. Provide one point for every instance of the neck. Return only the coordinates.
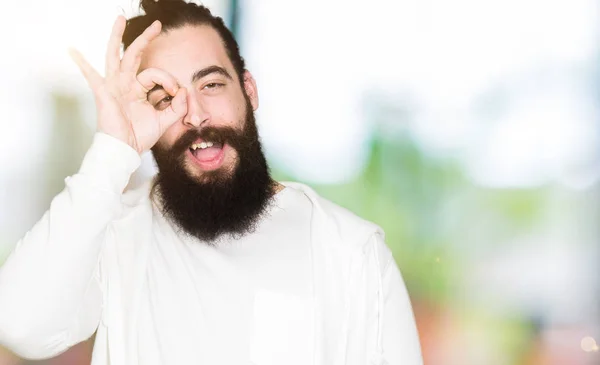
(277, 187)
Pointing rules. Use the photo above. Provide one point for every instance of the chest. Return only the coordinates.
(248, 303)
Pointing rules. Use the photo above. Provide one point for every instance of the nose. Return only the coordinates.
(197, 113)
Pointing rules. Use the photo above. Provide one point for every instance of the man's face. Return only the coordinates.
(208, 191)
(196, 57)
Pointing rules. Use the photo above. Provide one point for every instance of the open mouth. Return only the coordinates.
(207, 154)
(206, 150)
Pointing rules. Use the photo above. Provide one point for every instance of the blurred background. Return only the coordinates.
(468, 129)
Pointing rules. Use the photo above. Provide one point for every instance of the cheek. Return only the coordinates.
(228, 111)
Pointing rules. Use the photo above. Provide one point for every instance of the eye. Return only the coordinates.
(163, 102)
(213, 85)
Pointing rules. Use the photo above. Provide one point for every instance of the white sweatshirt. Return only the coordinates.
(314, 284)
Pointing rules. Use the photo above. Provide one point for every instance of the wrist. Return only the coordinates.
(110, 162)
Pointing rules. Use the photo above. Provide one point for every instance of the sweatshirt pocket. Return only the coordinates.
(283, 329)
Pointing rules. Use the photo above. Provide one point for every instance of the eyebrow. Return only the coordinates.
(210, 70)
(198, 75)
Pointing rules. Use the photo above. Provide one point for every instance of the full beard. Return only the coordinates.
(227, 201)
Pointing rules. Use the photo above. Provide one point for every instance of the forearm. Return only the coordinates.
(50, 277)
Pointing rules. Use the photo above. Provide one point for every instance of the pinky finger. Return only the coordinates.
(92, 77)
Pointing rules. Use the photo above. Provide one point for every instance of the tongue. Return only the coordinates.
(207, 154)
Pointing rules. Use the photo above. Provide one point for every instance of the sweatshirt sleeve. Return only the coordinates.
(50, 294)
(398, 339)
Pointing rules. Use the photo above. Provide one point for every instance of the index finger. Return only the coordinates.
(151, 77)
(133, 55)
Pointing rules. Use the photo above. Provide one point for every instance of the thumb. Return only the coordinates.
(175, 111)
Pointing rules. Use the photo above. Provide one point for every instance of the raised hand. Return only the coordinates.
(121, 96)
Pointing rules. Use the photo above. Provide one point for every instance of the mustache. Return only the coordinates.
(221, 135)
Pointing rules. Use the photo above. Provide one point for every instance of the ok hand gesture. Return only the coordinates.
(123, 110)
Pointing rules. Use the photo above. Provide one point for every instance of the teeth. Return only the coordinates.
(201, 145)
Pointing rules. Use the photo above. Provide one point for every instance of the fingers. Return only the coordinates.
(151, 77)
(92, 77)
(175, 111)
(113, 50)
(133, 56)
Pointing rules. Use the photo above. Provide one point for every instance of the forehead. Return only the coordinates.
(183, 51)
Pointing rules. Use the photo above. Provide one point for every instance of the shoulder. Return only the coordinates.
(338, 223)
(342, 239)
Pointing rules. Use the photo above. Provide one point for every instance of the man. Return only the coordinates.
(212, 262)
